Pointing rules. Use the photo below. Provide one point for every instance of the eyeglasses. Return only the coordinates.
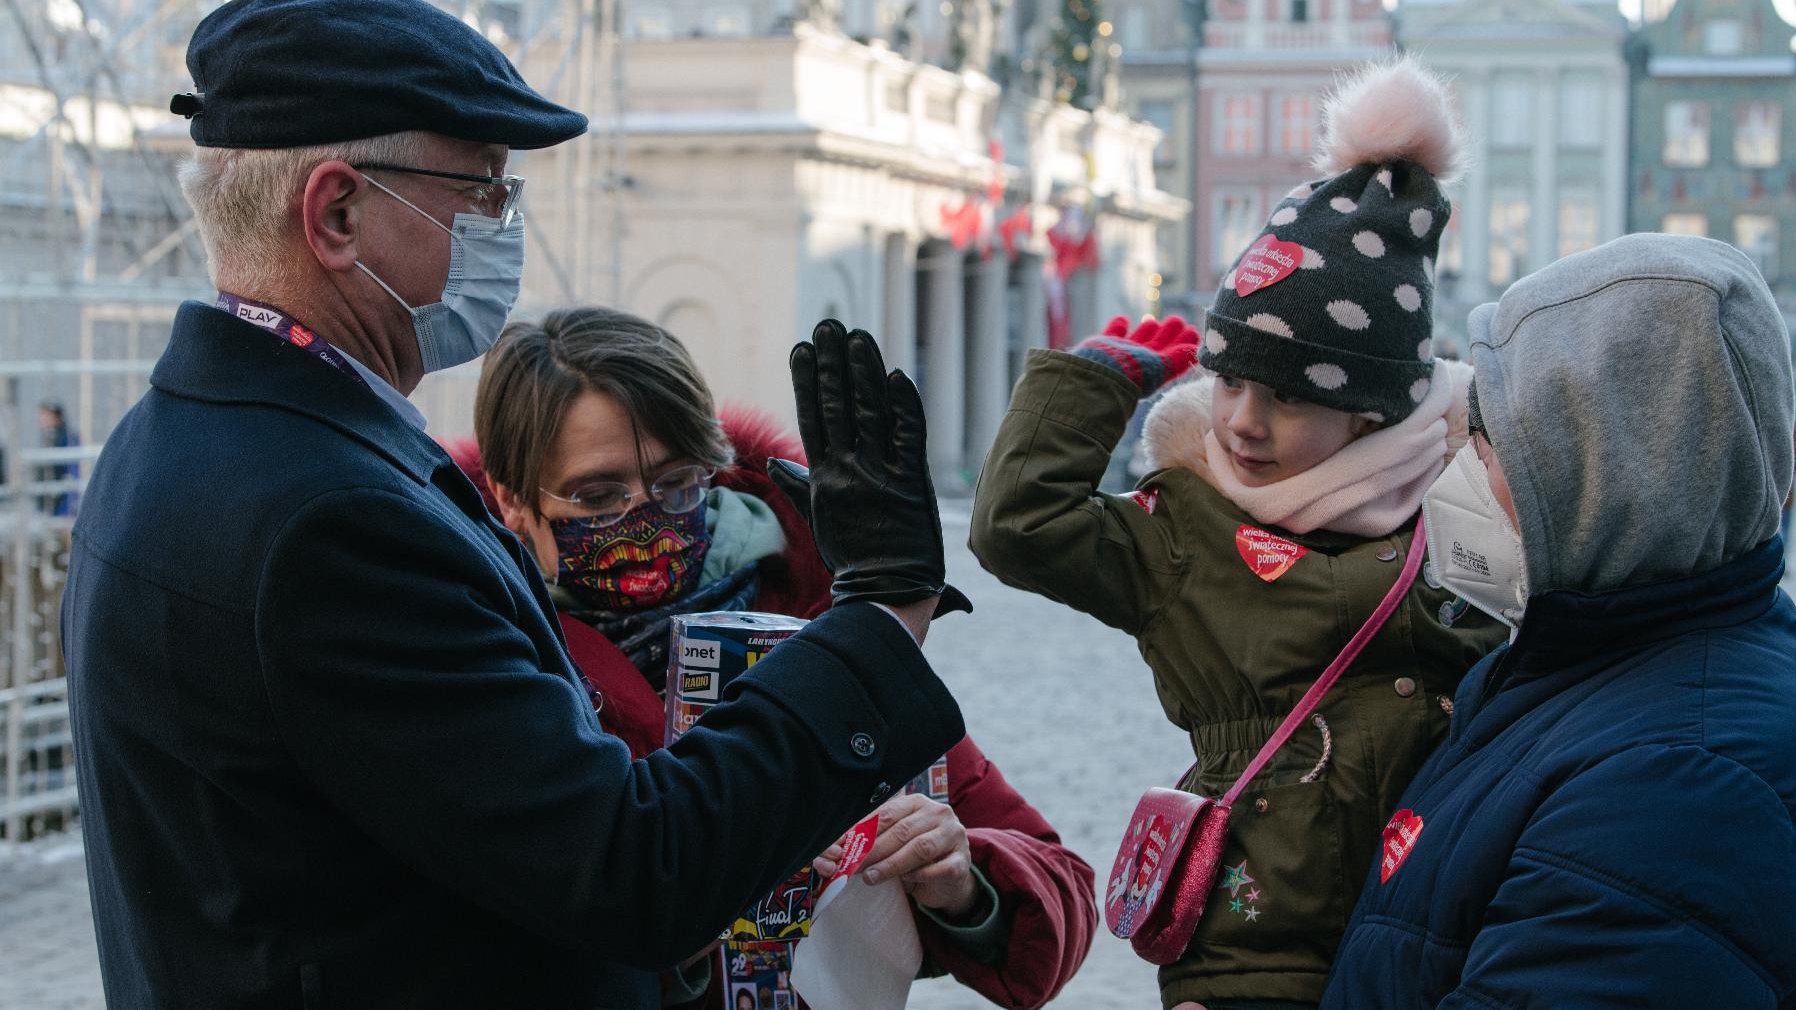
(499, 198)
(605, 502)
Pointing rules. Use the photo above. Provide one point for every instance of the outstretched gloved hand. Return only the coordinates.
(1157, 353)
(867, 494)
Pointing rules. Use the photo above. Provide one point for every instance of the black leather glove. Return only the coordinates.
(867, 495)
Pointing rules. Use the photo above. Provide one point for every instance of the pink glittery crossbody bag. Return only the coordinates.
(1170, 852)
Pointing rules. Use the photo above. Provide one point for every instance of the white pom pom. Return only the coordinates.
(1391, 111)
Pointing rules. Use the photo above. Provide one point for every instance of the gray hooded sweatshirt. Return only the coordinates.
(1639, 399)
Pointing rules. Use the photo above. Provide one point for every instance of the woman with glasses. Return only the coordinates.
(600, 446)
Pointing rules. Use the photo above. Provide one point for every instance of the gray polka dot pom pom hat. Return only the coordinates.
(1333, 303)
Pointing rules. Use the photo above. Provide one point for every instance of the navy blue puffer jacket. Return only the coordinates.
(1612, 821)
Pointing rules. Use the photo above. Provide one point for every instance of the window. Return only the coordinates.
(1757, 126)
(1756, 235)
(650, 26)
(1296, 126)
(726, 22)
(1508, 237)
(1452, 261)
(1512, 111)
(1300, 10)
(1686, 134)
(1135, 31)
(1581, 119)
(1580, 221)
(1723, 37)
(1237, 223)
(1685, 224)
(1161, 114)
(1238, 125)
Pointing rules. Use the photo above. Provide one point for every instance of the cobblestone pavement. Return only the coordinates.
(1061, 703)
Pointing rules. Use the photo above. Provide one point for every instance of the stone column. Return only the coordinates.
(1616, 181)
(1543, 219)
(1474, 230)
(988, 351)
(1031, 323)
(898, 323)
(942, 342)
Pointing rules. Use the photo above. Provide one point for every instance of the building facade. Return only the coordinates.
(1713, 83)
(778, 178)
(1542, 88)
(1262, 70)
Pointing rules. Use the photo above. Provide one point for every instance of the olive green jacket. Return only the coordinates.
(1231, 655)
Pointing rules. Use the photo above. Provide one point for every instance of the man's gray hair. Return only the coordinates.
(246, 200)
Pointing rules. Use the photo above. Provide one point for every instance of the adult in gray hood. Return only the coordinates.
(1612, 820)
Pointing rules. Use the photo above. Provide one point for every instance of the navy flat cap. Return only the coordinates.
(293, 73)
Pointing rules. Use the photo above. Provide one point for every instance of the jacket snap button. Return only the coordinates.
(880, 792)
(1406, 687)
(862, 744)
(1261, 805)
(1387, 553)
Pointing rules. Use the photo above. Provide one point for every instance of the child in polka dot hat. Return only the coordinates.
(1284, 499)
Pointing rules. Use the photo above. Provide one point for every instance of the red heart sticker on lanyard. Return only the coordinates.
(1265, 263)
(1399, 840)
(1266, 555)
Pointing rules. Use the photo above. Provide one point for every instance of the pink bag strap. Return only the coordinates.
(1418, 546)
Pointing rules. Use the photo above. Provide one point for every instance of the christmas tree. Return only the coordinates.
(1079, 32)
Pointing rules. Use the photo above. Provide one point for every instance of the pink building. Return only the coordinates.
(1262, 70)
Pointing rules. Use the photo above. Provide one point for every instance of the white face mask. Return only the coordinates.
(1473, 548)
(486, 269)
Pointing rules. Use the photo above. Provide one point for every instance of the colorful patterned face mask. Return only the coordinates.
(647, 558)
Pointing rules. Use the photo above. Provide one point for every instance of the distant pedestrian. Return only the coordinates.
(54, 433)
(1286, 491)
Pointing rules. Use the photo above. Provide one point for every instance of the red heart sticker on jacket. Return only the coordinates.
(1266, 555)
(1265, 263)
(1399, 839)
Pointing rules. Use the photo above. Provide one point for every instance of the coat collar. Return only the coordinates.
(1566, 634)
(216, 358)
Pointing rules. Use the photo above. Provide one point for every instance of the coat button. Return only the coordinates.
(1387, 553)
(1406, 687)
(862, 745)
(880, 792)
(1261, 805)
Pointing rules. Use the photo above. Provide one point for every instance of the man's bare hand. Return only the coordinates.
(922, 844)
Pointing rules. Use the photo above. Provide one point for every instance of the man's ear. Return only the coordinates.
(329, 216)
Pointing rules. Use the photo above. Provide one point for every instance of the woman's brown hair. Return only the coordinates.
(537, 370)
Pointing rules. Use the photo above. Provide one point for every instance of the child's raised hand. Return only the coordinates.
(1158, 352)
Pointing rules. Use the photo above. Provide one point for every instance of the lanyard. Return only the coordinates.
(281, 325)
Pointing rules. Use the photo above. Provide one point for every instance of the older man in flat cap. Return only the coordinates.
(332, 750)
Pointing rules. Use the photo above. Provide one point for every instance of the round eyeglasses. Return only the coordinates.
(605, 502)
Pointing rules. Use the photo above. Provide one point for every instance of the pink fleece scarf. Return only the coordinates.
(1369, 488)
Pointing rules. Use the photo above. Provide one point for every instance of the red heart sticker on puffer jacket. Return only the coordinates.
(1399, 839)
(1265, 263)
(1268, 556)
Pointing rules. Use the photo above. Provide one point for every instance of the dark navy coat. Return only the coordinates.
(333, 753)
(1612, 821)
